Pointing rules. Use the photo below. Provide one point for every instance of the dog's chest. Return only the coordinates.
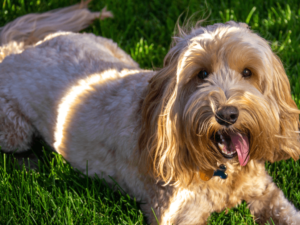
(238, 186)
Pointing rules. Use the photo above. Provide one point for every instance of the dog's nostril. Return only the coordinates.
(227, 115)
(233, 116)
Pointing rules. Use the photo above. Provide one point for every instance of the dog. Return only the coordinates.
(189, 139)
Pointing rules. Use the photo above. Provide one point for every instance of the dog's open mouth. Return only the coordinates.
(231, 144)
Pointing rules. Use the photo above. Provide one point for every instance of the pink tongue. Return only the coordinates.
(241, 144)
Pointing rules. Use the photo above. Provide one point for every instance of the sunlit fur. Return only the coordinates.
(152, 131)
(179, 109)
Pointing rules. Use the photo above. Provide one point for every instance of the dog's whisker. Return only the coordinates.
(222, 119)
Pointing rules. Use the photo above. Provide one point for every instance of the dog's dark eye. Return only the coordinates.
(246, 73)
(203, 74)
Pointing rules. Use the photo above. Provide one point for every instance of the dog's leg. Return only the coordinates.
(271, 205)
(179, 206)
(15, 131)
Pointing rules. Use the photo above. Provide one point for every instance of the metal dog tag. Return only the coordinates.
(206, 175)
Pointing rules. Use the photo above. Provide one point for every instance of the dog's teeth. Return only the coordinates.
(221, 146)
(224, 150)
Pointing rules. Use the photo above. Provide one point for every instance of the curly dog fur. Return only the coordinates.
(222, 98)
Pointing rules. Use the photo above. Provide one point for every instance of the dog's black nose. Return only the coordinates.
(227, 115)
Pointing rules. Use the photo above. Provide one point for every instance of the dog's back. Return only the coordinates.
(29, 29)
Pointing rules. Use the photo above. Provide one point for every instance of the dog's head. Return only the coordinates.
(222, 95)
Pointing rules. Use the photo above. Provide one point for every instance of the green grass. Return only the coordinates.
(56, 193)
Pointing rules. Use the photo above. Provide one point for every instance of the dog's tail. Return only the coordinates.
(31, 28)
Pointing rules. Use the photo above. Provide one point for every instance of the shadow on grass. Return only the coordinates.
(40, 187)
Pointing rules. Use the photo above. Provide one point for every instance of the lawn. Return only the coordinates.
(55, 193)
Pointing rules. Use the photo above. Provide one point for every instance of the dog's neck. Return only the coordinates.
(220, 172)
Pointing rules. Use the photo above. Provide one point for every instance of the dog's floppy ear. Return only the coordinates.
(289, 143)
(162, 153)
(154, 142)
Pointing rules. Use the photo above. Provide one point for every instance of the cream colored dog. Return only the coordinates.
(189, 139)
